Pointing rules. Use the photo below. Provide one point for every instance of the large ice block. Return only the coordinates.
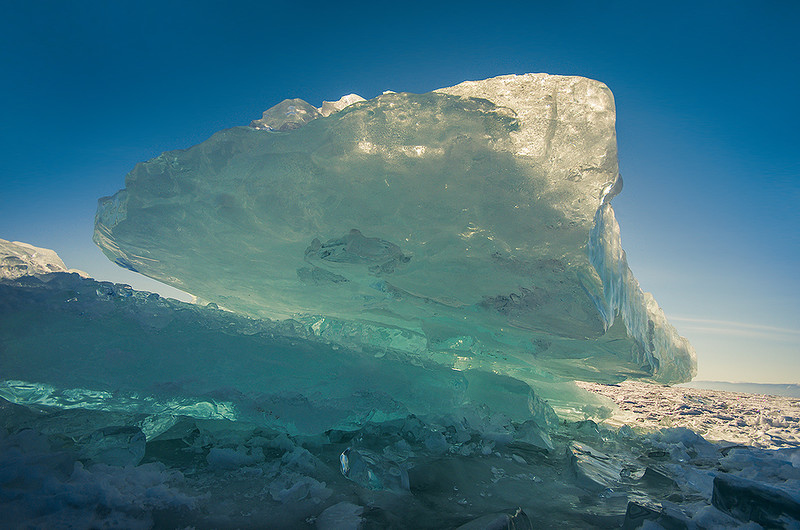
(470, 226)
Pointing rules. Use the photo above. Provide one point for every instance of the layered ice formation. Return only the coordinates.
(399, 293)
(74, 342)
(470, 227)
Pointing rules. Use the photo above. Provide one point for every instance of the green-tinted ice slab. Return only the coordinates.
(470, 227)
(73, 342)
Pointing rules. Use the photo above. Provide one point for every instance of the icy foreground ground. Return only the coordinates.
(122, 409)
(135, 412)
(471, 226)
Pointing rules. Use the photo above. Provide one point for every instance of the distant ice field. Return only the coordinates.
(768, 389)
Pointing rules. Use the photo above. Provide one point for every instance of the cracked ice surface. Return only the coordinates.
(468, 226)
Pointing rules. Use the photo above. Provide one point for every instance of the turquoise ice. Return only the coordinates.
(76, 343)
(470, 227)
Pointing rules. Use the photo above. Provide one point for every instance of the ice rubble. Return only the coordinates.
(216, 473)
(470, 226)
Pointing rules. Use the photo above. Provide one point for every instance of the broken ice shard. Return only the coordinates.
(470, 226)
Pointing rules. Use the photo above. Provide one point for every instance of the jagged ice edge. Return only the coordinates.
(623, 296)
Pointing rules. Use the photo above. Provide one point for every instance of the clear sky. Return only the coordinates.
(708, 107)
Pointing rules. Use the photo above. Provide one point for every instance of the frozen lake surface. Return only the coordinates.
(769, 422)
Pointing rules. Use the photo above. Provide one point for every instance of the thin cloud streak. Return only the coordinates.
(745, 333)
(724, 325)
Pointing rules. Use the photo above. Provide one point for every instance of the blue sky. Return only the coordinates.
(707, 122)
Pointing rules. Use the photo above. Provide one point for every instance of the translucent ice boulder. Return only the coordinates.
(470, 227)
